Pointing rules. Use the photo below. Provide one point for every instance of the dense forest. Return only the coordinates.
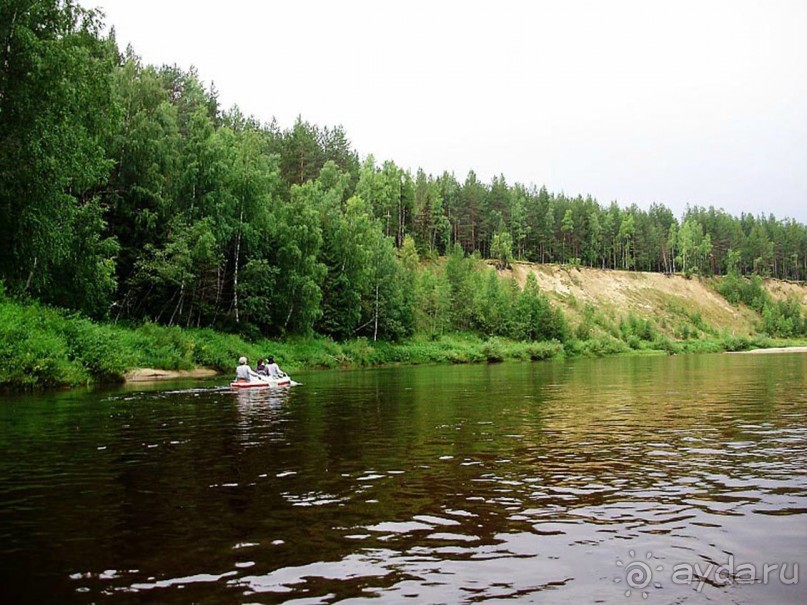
(127, 192)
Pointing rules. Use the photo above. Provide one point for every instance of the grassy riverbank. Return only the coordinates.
(45, 347)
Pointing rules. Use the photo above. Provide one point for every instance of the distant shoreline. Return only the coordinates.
(152, 375)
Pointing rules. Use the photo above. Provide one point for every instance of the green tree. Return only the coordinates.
(627, 231)
(390, 193)
(548, 233)
(432, 304)
(301, 153)
(567, 227)
(250, 183)
(671, 247)
(347, 252)
(459, 271)
(389, 308)
(518, 226)
(536, 319)
(56, 108)
(296, 238)
(595, 238)
(502, 249)
(430, 223)
(145, 150)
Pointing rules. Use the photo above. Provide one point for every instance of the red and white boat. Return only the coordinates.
(261, 383)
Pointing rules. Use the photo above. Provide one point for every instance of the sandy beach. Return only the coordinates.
(150, 374)
(771, 351)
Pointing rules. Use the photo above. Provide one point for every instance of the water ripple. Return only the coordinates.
(522, 482)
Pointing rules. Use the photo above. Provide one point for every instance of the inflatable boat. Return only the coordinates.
(261, 383)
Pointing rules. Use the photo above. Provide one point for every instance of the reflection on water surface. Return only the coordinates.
(540, 482)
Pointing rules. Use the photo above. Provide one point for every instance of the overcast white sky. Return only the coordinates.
(700, 102)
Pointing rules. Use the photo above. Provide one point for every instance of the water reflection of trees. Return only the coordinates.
(661, 426)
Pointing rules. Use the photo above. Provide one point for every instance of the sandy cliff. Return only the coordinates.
(671, 301)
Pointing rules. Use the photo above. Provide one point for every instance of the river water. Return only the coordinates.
(642, 479)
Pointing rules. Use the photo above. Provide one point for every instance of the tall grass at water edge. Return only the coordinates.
(45, 347)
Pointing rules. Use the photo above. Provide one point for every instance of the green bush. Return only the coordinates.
(736, 343)
(684, 332)
(34, 350)
(664, 343)
(360, 353)
(703, 346)
(97, 347)
(573, 347)
(784, 318)
(493, 352)
(538, 351)
(634, 342)
(603, 345)
(634, 328)
(737, 289)
(168, 348)
(221, 351)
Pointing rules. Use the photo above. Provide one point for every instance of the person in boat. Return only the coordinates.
(272, 369)
(261, 368)
(244, 372)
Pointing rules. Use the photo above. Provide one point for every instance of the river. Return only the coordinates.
(672, 479)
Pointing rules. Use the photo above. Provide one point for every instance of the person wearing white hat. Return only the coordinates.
(244, 372)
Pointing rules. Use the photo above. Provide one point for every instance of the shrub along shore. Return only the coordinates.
(46, 347)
